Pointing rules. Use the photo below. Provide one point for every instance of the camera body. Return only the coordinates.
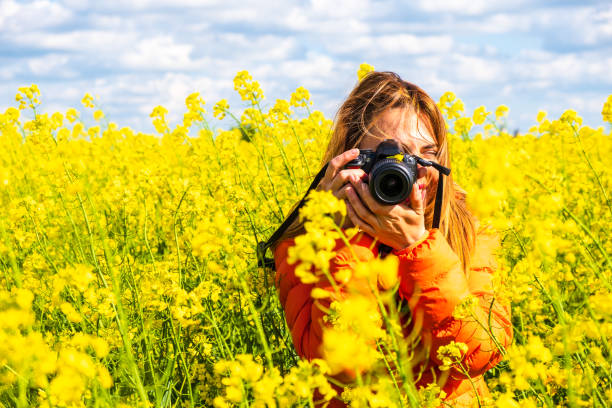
(391, 172)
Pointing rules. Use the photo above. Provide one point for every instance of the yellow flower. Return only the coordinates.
(93, 131)
(431, 396)
(466, 307)
(98, 114)
(480, 114)
(281, 109)
(70, 312)
(159, 119)
(318, 293)
(606, 112)
(12, 114)
(87, 101)
(541, 116)
(450, 105)
(28, 96)
(220, 109)
(364, 69)
(571, 117)
(72, 115)
(451, 354)
(463, 126)
(300, 98)
(104, 377)
(501, 111)
(248, 89)
(195, 109)
(345, 350)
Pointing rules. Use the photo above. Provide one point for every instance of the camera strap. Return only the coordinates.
(438, 204)
(262, 247)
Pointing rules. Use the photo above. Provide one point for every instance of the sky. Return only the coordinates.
(532, 55)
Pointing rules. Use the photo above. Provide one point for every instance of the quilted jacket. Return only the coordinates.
(432, 282)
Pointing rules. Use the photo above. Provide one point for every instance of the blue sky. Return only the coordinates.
(529, 55)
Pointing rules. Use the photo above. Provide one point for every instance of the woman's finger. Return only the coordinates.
(363, 212)
(343, 177)
(366, 197)
(338, 162)
(341, 194)
(357, 221)
(416, 199)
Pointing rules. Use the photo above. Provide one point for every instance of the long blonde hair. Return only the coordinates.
(374, 94)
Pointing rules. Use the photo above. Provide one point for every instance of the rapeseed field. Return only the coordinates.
(128, 272)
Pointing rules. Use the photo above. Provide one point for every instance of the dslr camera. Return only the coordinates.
(391, 172)
(391, 176)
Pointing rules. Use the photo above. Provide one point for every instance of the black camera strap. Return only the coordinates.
(438, 204)
(262, 247)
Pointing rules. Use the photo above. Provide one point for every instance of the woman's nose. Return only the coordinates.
(421, 171)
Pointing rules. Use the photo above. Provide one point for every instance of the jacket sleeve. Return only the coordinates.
(433, 282)
(304, 315)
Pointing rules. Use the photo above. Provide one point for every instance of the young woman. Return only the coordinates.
(439, 268)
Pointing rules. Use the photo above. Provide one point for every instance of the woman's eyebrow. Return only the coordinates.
(429, 146)
(405, 148)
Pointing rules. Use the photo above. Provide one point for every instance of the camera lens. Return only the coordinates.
(391, 181)
(391, 185)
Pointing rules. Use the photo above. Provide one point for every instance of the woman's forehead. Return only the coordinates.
(404, 126)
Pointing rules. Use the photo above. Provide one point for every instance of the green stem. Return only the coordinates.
(178, 250)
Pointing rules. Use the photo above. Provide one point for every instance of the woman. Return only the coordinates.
(439, 268)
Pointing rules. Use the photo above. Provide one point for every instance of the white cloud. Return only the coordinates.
(464, 68)
(410, 44)
(314, 71)
(466, 7)
(395, 45)
(42, 14)
(264, 47)
(589, 26)
(500, 23)
(561, 69)
(301, 20)
(8, 72)
(573, 25)
(158, 53)
(88, 42)
(51, 64)
(475, 69)
(140, 5)
(341, 8)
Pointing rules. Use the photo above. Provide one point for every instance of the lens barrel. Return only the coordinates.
(391, 181)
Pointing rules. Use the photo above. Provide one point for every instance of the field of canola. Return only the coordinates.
(128, 274)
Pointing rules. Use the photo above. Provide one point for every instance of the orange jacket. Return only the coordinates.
(433, 267)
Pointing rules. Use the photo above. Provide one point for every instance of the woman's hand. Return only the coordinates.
(336, 179)
(397, 226)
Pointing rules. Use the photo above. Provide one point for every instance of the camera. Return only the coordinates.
(391, 176)
(391, 172)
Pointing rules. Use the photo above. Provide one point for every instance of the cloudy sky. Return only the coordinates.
(530, 55)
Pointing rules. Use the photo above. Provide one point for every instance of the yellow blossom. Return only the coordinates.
(479, 116)
(88, 101)
(606, 112)
(220, 109)
(364, 69)
(501, 111)
(300, 98)
(98, 114)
